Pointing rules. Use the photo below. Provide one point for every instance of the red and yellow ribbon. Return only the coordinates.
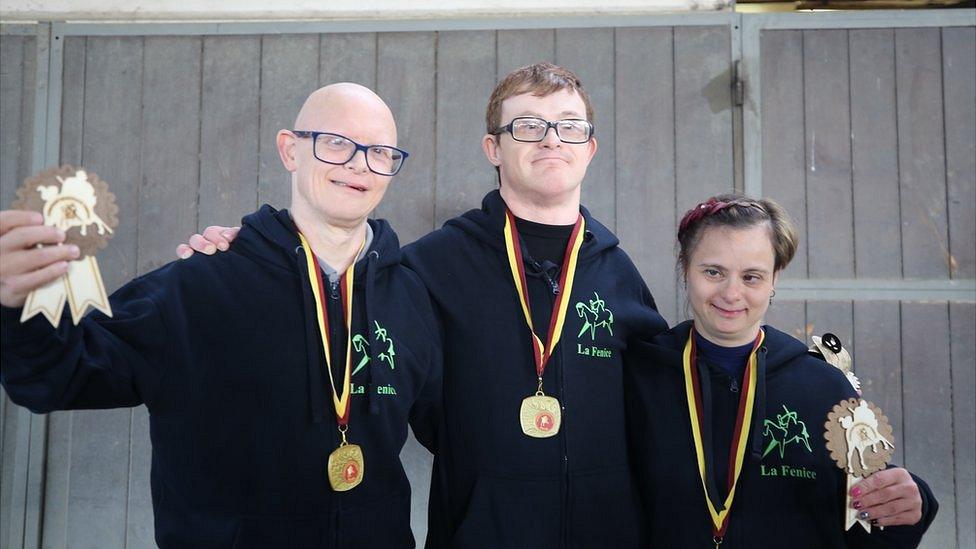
(740, 435)
(339, 400)
(543, 351)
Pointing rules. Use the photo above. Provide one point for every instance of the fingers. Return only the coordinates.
(889, 497)
(200, 244)
(14, 289)
(221, 237)
(28, 236)
(10, 219)
(183, 251)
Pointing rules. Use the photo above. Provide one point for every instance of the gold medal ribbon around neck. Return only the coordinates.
(542, 351)
(339, 401)
(740, 434)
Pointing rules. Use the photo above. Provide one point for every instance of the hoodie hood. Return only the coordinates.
(275, 229)
(488, 224)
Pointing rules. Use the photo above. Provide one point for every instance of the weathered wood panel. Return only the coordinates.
(463, 86)
(962, 326)
(921, 155)
(229, 129)
(828, 161)
(590, 54)
(518, 48)
(17, 80)
(877, 334)
(289, 73)
(927, 382)
(784, 156)
(645, 160)
(959, 91)
(874, 151)
(789, 317)
(406, 81)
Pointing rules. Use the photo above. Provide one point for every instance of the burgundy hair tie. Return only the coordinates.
(701, 211)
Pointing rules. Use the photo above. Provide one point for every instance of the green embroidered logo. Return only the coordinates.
(595, 315)
(360, 344)
(787, 429)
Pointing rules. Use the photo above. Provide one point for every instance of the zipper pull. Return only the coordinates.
(334, 286)
(734, 387)
(554, 285)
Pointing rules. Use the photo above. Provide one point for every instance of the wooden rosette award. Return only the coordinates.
(76, 201)
(860, 440)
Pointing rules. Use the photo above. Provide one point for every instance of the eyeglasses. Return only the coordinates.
(333, 148)
(530, 129)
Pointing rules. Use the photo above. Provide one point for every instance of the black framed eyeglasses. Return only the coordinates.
(333, 148)
(530, 129)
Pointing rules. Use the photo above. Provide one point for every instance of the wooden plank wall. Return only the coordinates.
(17, 82)
(868, 140)
(183, 128)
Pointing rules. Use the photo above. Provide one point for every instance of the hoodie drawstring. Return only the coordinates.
(375, 368)
(316, 393)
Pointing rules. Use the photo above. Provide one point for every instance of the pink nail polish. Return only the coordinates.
(857, 505)
(856, 491)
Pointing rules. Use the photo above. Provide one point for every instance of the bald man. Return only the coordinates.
(280, 377)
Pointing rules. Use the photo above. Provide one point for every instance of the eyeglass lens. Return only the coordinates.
(336, 149)
(534, 129)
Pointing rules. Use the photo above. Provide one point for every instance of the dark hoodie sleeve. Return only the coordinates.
(899, 536)
(103, 362)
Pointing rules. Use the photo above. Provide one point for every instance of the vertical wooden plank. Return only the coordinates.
(927, 447)
(17, 81)
(836, 317)
(877, 333)
(57, 480)
(170, 144)
(962, 331)
(289, 73)
(17, 66)
(959, 93)
(644, 121)
(111, 143)
(789, 317)
(783, 168)
(518, 48)
(229, 131)
(921, 155)
(348, 57)
(874, 152)
(703, 113)
(167, 213)
(590, 54)
(463, 87)
(828, 144)
(406, 80)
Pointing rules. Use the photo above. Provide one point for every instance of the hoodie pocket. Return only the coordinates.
(510, 512)
(382, 523)
(294, 532)
(604, 510)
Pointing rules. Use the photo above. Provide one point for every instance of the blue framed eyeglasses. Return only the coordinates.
(333, 148)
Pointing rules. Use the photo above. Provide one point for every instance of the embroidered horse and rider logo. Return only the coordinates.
(387, 355)
(595, 315)
(786, 430)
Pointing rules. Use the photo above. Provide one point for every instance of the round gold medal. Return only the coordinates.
(346, 467)
(540, 416)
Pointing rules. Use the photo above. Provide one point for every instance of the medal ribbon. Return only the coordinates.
(542, 351)
(339, 401)
(740, 435)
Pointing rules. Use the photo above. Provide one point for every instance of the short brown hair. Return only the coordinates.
(737, 211)
(540, 79)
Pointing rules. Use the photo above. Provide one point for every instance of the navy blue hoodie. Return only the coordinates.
(225, 353)
(790, 492)
(494, 486)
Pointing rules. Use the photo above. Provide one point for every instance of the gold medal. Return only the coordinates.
(346, 463)
(540, 416)
(346, 467)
